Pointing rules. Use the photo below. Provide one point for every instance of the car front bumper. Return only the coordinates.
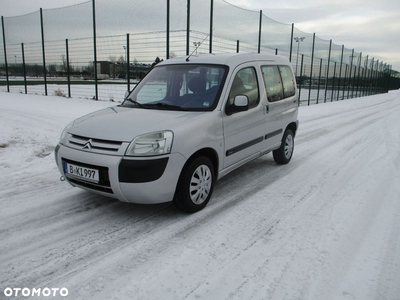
(144, 180)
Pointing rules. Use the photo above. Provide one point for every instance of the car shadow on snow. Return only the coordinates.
(97, 206)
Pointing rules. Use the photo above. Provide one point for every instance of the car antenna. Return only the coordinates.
(197, 46)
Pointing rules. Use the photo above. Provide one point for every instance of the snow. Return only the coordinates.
(325, 226)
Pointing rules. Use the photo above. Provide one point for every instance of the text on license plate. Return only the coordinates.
(81, 172)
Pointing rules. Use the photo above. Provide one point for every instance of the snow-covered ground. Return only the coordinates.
(325, 226)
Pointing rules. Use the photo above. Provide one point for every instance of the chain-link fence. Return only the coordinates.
(98, 49)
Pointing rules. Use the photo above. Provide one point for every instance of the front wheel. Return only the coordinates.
(284, 154)
(195, 185)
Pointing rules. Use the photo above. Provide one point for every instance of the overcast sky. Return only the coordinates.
(368, 26)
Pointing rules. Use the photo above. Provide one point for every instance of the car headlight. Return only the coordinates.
(156, 143)
(65, 131)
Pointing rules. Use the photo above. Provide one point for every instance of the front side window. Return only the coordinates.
(245, 83)
(179, 87)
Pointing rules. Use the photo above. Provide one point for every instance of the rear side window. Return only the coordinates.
(272, 82)
(279, 82)
(289, 87)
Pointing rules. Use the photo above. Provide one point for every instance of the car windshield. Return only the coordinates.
(179, 87)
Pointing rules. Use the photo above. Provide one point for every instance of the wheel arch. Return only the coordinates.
(212, 156)
(210, 153)
(293, 127)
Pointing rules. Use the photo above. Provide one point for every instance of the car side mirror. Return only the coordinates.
(241, 103)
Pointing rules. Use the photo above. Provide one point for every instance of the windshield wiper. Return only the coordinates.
(158, 105)
(137, 103)
(162, 105)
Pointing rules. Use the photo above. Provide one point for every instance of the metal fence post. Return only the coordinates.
(389, 68)
(187, 27)
(211, 24)
(344, 85)
(333, 81)
(340, 73)
(128, 69)
(358, 75)
(301, 74)
(237, 46)
(259, 32)
(365, 76)
(43, 52)
(353, 79)
(351, 69)
(377, 76)
(369, 90)
(319, 79)
(372, 76)
(311, 69)
(68, 69)
(168, 22)
(291, 43)
(350, 87)
(24, 67)
(5, 53)
(374, 80)
(327, 70)
(369, 79)
(95, 51)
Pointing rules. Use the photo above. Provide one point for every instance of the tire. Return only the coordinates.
(195, 185)
(285, 152)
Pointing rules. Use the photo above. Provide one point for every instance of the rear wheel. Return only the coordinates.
(195, 185)
(284, 154)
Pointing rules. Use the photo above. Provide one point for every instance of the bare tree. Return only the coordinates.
(121, 60)
(64, 62)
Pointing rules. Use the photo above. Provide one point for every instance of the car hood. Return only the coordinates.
(123, 124)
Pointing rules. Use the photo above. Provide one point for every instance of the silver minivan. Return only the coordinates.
(188, 122)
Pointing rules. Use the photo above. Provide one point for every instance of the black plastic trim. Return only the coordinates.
(244, 146)
(139, 171)
(274, 133)
(89, 185)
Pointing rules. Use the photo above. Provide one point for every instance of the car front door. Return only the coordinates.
(244, 130)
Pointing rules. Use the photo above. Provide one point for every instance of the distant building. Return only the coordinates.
(118, 70)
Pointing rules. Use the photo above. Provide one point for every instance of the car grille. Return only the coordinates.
(96, 145)
(91, 186)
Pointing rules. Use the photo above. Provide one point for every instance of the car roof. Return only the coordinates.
(229, 59)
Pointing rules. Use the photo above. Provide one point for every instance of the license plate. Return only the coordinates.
(81, 172)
